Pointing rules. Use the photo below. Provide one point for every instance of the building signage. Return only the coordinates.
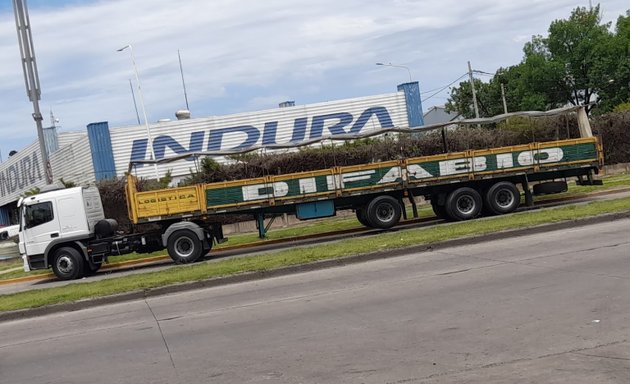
(21, 175)
(243, 137)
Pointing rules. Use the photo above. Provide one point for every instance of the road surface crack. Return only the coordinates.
(170, 356)
(603, 357)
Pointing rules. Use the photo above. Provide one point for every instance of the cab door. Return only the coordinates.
(40, 226)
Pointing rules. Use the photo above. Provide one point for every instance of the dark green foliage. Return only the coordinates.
(614, 132)
(580, 61)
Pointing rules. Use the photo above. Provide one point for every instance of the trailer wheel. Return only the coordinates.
(439, 210)
(68, 264)
(184, 246)
(463, 204)
(501, 198)
(362, 217)
(383, 212)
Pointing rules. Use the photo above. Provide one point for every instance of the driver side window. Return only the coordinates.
(38, 214)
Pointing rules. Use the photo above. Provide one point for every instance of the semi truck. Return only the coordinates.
(66, 230)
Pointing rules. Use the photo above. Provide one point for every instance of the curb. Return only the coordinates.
(318, 265)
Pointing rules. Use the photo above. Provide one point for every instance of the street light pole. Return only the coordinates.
(144, 111)
(397, 66)
(133, 97)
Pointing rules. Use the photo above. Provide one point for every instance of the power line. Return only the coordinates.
(444, 87)
(482, 72)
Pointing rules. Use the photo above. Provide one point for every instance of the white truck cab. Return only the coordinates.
(51, 219)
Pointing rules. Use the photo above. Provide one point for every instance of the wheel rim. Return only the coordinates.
(504, 198)
(465, 204)
(184, 247)
(385, 212)
(65, 264)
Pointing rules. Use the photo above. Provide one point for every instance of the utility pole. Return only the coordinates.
(503, 97)
(474, 94)
(31, 78)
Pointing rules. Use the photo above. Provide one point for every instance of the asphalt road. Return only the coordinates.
(546, 308)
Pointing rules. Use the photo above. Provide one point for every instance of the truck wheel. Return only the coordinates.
(68, 264)
(184, 246)
(463, 204)
(383, 212)
(439, 210)
(501, 198)
(90, 269)
(361, 216)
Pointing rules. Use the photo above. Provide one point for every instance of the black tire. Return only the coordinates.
(362, 217)
(439, 210)
(550, 187)
(463, 204)
(68, 264)
(184, 246)
(501, 198)
(90, 269)
(383, 212)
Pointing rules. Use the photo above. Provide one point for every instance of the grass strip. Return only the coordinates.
(306, 254)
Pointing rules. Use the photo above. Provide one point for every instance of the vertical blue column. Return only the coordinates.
(102, 153)
(414, 103)
(4, 216)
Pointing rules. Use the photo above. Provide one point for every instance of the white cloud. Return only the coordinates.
(249, 54)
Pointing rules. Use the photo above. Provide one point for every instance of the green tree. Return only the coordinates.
(581, 44)
(614, 72)
(580, 61)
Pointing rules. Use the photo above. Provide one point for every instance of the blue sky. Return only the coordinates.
(249, 55)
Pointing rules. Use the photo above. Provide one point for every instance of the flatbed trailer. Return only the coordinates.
(67, 229)
(321, 193)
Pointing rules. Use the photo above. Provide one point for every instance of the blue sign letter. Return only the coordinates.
(216, 137)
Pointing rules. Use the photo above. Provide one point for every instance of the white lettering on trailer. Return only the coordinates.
(391, 176)
(357, 176)
(308, 185)
(252, 192)
(543, 156)
(447, 167)
(257, 192)
(453, 167)
(332, 182)
(280, 189)
(457, 166)
(417, 172)
(525, 158)
(480, 164)
(504, 160)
